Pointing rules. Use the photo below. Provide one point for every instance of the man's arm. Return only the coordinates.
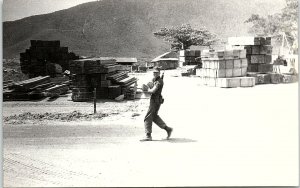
(155, 88)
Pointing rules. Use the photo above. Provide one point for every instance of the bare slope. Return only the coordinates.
(125, 27)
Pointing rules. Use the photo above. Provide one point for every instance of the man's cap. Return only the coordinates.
(156, 69)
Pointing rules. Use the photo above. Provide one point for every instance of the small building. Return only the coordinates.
(128, 62)
(168, 60)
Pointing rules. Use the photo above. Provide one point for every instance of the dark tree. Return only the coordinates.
(184, 36)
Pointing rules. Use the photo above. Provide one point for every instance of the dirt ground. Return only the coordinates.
(222, 137)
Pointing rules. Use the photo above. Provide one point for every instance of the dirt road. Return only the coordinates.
(222, 137)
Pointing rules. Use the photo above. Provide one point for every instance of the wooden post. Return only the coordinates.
(95, 101)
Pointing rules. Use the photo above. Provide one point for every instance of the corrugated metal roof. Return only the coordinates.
(126, 59)
(168, 56)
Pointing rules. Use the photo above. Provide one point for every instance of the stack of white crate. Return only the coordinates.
(226, 68)
(189, 57)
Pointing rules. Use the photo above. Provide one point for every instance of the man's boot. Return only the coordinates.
(147, 138)
(169, 131)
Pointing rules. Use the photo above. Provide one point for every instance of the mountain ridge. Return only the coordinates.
(125, 27)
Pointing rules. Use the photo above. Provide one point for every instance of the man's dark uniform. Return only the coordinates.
(155, 102)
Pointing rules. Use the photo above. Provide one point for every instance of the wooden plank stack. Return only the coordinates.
(33, 89)
(226, 68)
(189, 57)
(34, 60)
(258, 52)
(104, 74)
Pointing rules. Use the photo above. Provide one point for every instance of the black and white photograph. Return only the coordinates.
(150, 93)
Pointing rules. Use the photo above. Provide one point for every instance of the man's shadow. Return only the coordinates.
(176, 140)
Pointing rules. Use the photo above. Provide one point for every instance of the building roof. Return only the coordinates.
(168, 56)
(126, 60)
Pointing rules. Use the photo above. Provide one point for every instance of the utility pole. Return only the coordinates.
(95, 100)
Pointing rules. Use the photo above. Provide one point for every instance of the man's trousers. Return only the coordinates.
(152, 116)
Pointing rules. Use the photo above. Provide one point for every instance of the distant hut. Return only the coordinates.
(129, 62)
(167, 60)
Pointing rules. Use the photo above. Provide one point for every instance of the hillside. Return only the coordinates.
(125, 27)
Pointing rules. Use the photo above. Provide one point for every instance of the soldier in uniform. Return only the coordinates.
(155, 101)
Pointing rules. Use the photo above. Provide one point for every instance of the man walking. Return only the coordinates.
(155, 101)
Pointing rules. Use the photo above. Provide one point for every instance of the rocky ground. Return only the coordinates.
(222, 137)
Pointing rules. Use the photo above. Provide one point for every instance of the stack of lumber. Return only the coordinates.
(127, 84)
(273, 78)
(189, 57)
(114, 91)
(34, 88)
(104, 74)
(35, 60)
(259, 56)
(258, 51)
(56, 90)
(226, 68)
(130, 91)
(7, 84)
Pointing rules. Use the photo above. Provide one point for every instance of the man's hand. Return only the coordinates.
(150, 85)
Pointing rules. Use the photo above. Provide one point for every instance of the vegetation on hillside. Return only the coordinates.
(285, 22)
(12, 70)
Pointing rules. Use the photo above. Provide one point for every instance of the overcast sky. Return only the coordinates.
(17, 9)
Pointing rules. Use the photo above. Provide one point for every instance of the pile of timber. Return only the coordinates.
(258, 52)
(101, 74)
(259, 57)
(273, 78)
(189, 57)
(226, 69)
(45, 58)
(33, 89)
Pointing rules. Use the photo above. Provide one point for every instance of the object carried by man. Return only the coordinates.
(145, 87)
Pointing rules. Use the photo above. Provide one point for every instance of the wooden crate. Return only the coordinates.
(240, 63)
(219, 64)
(200, 72)
(237, 72)
(255, 49)
(242, 54)
(266, 50)
(268, 59)
(192, 53)
(268, 41)
(229, 64)
(237, 63)
(182, 58)
(211, 82)
(263, 78)
(247, 81)
(264, 68)
(181, 63)
(276, 78)
(217, 73)
(228, 82)
(229, 73)
(257, 59)
(252, 68)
